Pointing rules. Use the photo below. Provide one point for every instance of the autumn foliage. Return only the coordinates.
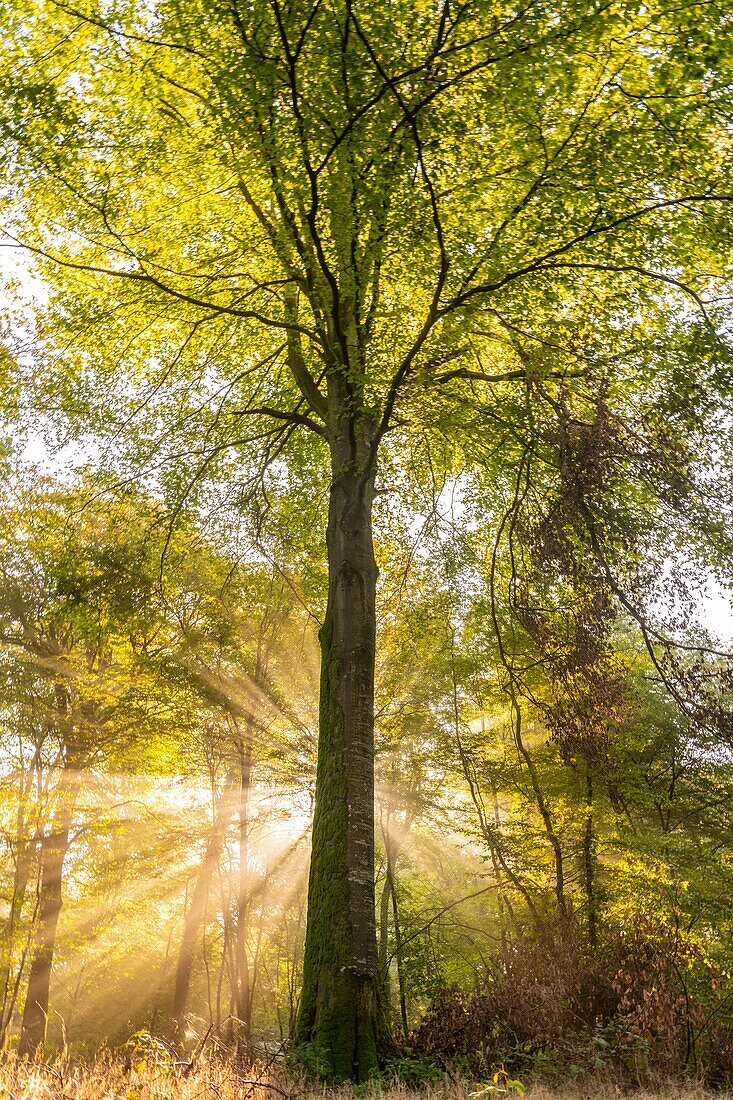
(644, 1008)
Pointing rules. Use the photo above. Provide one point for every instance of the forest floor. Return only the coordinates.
(113, 1078)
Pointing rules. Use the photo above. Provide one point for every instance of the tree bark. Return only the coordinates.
(341, 1029)
(589, 863)
(243, 984)
(54, 847)
(389, 896)
(196, 910)
(543, 809)
(398, 954)
(9, 984)
(383, 942)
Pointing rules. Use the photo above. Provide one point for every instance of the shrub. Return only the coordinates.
(643, 1005)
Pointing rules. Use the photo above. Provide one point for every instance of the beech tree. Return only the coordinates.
(287, 218)
(64, 594)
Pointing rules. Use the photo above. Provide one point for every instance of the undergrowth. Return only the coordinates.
(112, 1077)
(645, 1007)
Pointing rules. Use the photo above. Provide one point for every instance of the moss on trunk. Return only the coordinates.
(341, 1030)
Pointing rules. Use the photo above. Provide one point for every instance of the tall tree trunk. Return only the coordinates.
(25, 847)
(25, 851)
(243, 990)
(384, 901)
(383, 942)
(389, 897)
(54, 847)
(589, 862)
(503, 903)
(398, 953)
(160, 999)
(197, 908)
(342, 1023)
(543, 808)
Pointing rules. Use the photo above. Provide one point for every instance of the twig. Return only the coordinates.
(266, 1085)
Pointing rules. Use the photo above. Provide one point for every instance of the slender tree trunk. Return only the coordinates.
(589, 863)
(195, 913)
(341, 1026)
(383, 943)
(159, 991)
(192, 922)
(504, 905)
(243, 991)
(25, 851)
(398, 953)
(389, 898)
(543, 809)
(491, 834)
(384, 900)
(24, 848)
(293, 947)
(54, 847)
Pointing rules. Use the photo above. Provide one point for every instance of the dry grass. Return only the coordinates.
(113, 1078)
(604, 1090)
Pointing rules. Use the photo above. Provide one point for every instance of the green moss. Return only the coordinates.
(337, 1030)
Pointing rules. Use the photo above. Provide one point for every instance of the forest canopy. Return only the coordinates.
(367, 464)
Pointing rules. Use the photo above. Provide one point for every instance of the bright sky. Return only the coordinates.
(717, 611)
